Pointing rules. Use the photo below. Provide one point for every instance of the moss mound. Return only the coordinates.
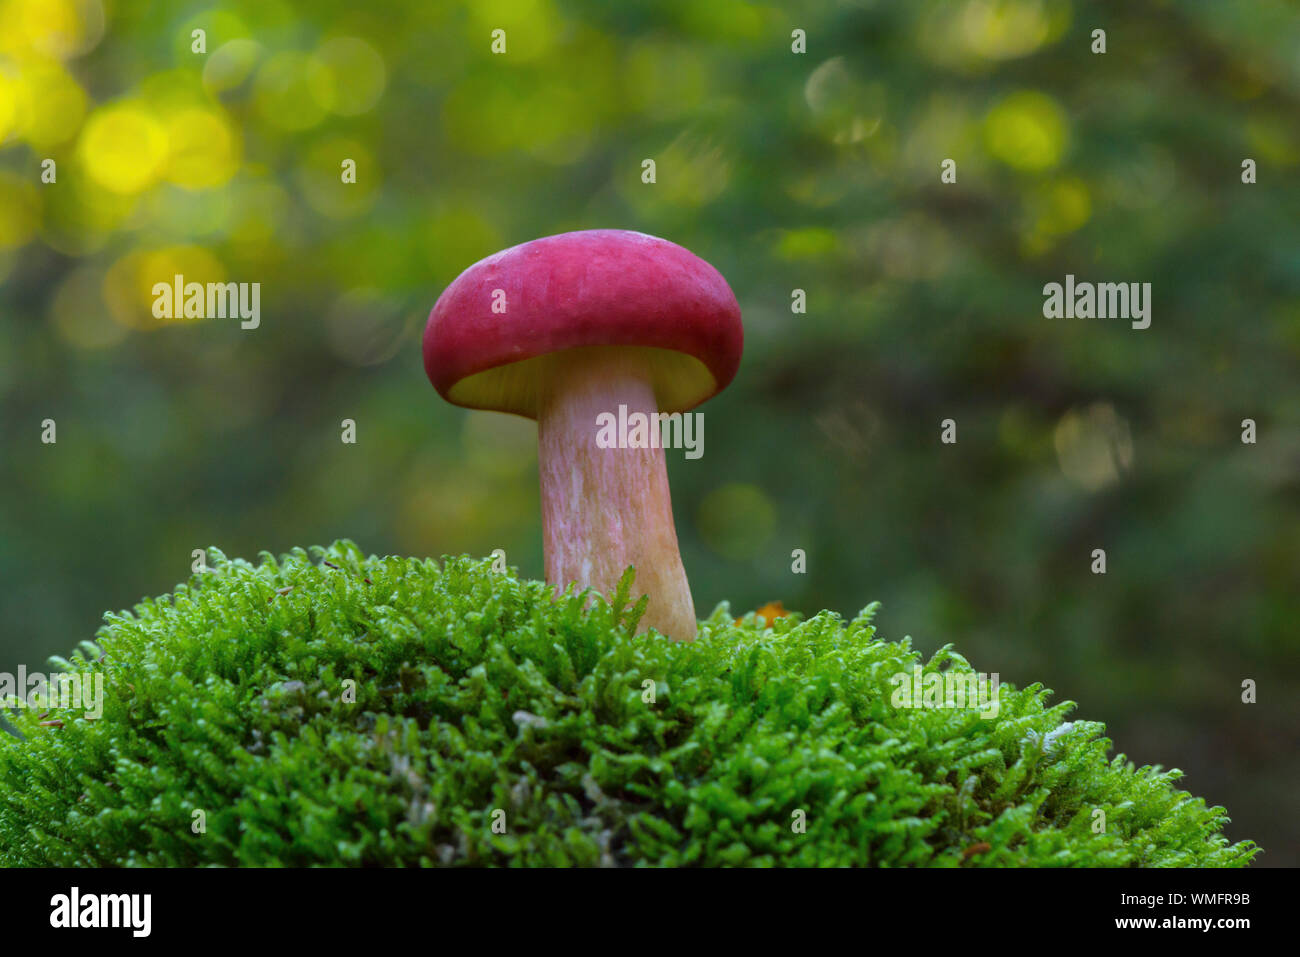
(494, 725)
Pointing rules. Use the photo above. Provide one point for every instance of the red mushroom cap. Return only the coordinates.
(594, 288)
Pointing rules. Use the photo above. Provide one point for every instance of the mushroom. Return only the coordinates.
(564, 329)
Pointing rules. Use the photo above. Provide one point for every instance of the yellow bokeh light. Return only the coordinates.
(123, 149)
(1005, 29)
(976, 33)
(10, 98)
(204, 149)
(55, 104)
(166, 93)
(1027, 131)
(129, 282)
(50, 28)
(529, 25)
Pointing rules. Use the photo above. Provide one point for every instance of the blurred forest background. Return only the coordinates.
(817, 171)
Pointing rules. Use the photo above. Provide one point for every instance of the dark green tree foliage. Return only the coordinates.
(476, 693)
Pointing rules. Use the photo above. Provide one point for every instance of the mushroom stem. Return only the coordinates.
(606, 508)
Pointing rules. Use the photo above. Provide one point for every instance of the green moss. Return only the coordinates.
(476, 694)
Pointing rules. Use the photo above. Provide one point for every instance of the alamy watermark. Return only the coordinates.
(1104, 300)
(948, 689)
(179, 299)
(130, 911)
(651, 430)
(80, 691)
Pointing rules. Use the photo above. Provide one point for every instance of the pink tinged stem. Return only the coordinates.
(606, 508)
